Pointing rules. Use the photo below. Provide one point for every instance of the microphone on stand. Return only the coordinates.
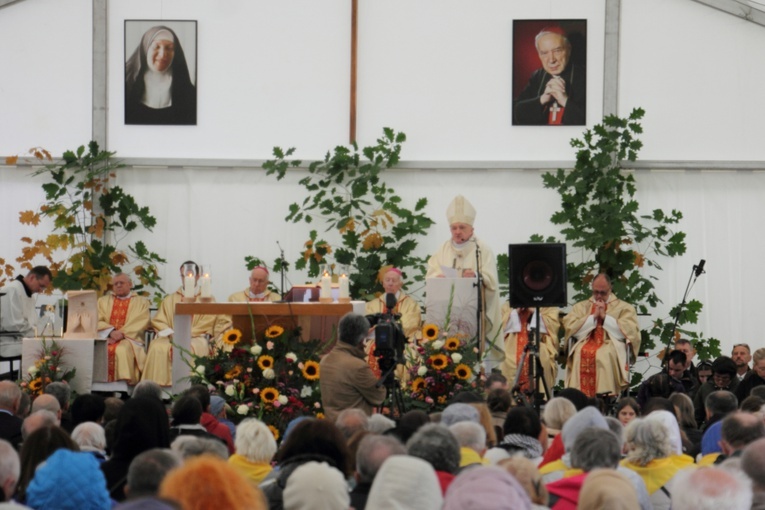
(390, 301)
(281, 256)
(699, 270)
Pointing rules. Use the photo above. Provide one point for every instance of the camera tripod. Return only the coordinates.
(535, 372)
(394, 398)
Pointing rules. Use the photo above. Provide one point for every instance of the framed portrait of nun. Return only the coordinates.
(160, 72)
(549, 72)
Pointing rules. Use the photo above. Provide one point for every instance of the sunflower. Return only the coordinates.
(274, 431)
(418, 384)
(265, 362)
(233, 373)
(311, 370)
(269, 395)
(274, 331)
(463, 371)
(232, 337)
(452, 343)
(35, 385)
(430, 332)
(439, 361)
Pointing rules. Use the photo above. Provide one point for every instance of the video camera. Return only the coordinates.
(389, 337)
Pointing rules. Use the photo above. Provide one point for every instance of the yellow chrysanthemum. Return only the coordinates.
(439, 361)
(274, 431)
(430, 332)
(452, 343)
(269, 395)
(274, 331)
(319, 416)
(233, 373)
(265, 362)
(311, 370)
(463, 371)
(232, 337)
(418, 384)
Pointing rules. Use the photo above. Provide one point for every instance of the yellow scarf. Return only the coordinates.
(658, 472)
(254, 471)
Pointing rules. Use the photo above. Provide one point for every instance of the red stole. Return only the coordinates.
(117, 319)
(521, 340)
(588, 368)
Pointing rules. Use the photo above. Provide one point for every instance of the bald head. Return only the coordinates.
(258, 280)
(740, 429)
(10, 394)
(47, 402)
(38, 420)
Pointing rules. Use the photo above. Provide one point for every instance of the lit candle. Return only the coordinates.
(205, 283)
(188, 286)
(345, 291)
(326, 286)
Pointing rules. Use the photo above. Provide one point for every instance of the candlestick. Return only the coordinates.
(205, 284)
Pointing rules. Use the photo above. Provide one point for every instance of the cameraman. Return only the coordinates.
(346, 380)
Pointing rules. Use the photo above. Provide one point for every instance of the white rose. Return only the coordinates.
(291, 357)
(243, 410)
(422, 370)
(283, 400)
(200, 369)
(307, 391)
(230, 391)
(438, 344)
(269, 373)
(456, 357)
(256, 350)
(33, 370)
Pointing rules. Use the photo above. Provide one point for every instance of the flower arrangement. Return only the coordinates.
(444, 364)
(275, 379)
(47, 369)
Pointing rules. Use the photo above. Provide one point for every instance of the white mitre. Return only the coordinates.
(460, 211)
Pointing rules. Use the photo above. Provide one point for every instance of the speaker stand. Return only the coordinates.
(531, 361)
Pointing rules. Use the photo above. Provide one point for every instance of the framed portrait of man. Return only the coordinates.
(549, 72)
(160, 72)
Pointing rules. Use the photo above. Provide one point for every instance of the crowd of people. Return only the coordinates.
(478, 453)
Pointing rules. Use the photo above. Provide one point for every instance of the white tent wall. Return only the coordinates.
(277, 74)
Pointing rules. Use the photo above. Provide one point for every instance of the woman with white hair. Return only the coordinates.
(255, 447)
(90, 437)
(652, 454)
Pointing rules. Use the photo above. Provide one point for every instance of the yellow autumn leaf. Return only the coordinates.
(97, 229)
(58, 241)
(119, 258)
(639, 260)
(29, 218)
(372, 241)
(11, 160)
(27, 240)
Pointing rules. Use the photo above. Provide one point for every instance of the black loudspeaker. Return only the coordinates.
(537, 275)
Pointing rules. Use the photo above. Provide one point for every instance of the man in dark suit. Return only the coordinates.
(10, 424)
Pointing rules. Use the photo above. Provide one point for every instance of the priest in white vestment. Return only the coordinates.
(18, 314)
(459, 254)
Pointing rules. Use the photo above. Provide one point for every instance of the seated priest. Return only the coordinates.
(159, 358)
(123, 316)
(409, 309)
(519, 326)
(258, 289)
